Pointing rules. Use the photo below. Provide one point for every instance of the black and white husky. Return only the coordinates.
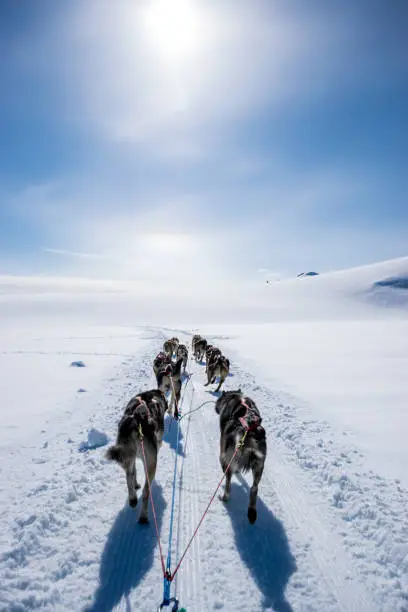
(169, 379)
(147, 411)
(238, 414)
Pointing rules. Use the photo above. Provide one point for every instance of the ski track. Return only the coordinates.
(328, 536)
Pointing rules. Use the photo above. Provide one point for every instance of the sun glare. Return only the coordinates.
(167, 243)
(173, 28)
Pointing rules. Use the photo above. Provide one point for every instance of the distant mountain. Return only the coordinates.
(307, 274)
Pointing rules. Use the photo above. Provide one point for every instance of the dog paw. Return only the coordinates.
(133, 502)
(252, 515)
(143, 520)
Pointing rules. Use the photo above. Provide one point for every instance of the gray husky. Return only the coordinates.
(200, 348)
(182, 353)
(169, 379)
(145, 411)
(217, 366)
(211, 353)
(170, 346)
(195, 339)
(239, 414)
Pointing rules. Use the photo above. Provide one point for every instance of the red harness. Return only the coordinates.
(243, 420)
(142, 402)
(167, 369)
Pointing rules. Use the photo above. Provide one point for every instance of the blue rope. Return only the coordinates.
(166, 582)
(168, 563)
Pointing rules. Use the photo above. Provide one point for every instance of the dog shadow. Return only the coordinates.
(128, 555)
(264, 548)
(170, 436)
(216, 394)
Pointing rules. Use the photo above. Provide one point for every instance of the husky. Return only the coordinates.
(238, 414)
(182, 352)
(162, 359)
(145, 411)
(200, 348)
(195, 339)
(170, 347)
(210, 354)
(169, 379)
(217, 366)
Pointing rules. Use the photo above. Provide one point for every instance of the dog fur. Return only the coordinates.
(210, 355)
(147, 410)
(232, 405)
(161, 360)
(199, 349)
(195, 338)
(182, 352)
(170, 346)
(217, 366)
(169, 379)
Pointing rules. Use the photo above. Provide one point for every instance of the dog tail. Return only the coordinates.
(115, 453)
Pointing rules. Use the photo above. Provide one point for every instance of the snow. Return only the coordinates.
(325, 360)
(95, 440)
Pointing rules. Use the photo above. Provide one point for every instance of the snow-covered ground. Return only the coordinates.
(325, 358)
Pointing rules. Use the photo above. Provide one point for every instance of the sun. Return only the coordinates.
(173, 28)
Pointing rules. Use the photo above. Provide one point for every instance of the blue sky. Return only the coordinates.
(216, 138)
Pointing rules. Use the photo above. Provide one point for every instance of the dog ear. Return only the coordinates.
(239, 390)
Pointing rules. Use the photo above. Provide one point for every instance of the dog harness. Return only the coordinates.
(253, 417)
(167, 369)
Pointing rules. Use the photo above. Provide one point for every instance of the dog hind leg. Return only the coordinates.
(227, 490)
(131, 480)
(257, 474)
(222, 378)
(208, 381)
(151, 473)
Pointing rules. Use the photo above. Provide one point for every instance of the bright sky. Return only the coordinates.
(202, 139)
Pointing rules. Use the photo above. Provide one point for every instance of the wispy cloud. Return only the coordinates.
(66, 253)
(161, 78)
(204, 142)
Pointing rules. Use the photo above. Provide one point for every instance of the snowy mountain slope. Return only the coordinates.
(346, 294)
(322, 541)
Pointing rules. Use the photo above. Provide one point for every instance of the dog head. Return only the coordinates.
(225, 397)
(181, 350)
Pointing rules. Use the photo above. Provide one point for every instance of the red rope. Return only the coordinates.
(208, 506)
(152, 503)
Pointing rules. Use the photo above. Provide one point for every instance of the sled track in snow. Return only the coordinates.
(302, 555)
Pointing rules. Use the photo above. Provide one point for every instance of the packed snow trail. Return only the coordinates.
(323, 541)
